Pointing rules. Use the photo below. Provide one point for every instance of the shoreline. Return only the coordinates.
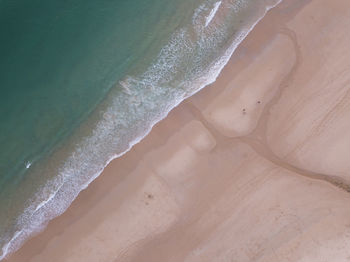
(170, 163)
(214, 72)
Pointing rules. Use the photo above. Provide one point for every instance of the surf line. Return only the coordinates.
(212, 13)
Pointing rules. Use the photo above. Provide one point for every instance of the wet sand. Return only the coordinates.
(252, 168)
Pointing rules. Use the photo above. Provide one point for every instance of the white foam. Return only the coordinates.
(28, 164)
(5, 249)
(212, 13)
(43, 203)
(81, 168)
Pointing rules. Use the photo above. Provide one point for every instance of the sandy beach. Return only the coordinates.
(254, 167)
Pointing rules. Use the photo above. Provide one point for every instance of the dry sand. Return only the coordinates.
(255, 167)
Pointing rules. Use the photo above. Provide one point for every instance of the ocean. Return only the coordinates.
(82, 81)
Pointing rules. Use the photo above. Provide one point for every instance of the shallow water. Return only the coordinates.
(83, 80)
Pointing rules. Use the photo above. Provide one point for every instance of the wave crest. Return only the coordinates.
(193, 58)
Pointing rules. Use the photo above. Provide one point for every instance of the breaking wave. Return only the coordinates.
(192, 59)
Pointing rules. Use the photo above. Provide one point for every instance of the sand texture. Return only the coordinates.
(255, 167)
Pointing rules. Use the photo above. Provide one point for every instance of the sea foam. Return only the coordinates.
(212, 13)
(181, 69)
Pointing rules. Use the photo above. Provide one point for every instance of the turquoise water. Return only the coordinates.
(58, 60)
(82, 81)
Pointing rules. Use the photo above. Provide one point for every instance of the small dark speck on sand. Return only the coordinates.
(150, 196)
